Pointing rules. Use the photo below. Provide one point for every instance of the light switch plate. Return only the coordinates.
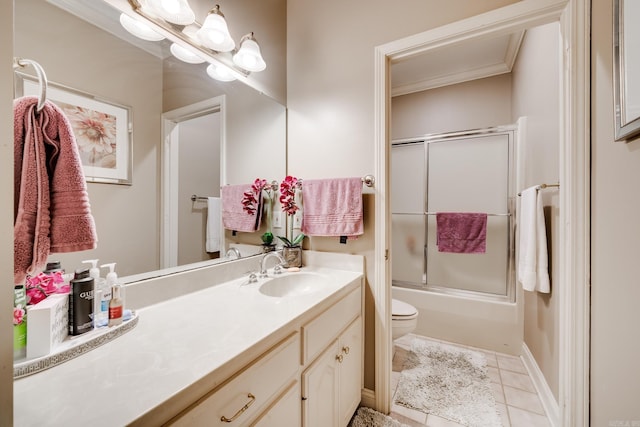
(297, 220)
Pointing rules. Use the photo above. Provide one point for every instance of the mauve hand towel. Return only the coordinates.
(52, 212)
(462, 233)
(332, 207)
(234, 217)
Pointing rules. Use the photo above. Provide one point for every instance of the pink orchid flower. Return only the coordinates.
(18, 314)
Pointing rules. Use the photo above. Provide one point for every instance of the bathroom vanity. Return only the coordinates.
(226, 352)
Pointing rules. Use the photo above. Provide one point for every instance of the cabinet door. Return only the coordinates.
(320, 390)
(350, 371)
(285, 412)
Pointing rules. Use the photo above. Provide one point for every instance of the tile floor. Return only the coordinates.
(516, 397)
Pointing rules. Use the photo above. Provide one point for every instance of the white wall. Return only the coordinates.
(615, 232)
(536, 95)
(330, 94)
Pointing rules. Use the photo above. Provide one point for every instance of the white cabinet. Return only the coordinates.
(332, 384)
(250, 392)
(285, 412)
(314, 377)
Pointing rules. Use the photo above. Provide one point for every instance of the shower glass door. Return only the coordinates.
(462, 172)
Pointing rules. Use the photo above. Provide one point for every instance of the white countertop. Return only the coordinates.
(177, 342)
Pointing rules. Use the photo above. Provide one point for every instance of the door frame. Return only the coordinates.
(170, 141)
(573, 294)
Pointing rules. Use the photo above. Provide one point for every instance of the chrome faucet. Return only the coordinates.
(263, 262)
(233, 251)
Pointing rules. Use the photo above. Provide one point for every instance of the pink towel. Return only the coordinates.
(462, 233)
(51, 205)
(332, 207)
(234, 217)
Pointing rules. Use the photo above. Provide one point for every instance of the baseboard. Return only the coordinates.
(549, 402)
(368, 398)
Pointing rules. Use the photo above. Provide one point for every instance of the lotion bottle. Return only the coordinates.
(100, 309)
(115, 306)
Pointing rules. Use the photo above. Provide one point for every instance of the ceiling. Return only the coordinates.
(469, 60)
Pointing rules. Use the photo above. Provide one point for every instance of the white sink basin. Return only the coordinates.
(294, 284)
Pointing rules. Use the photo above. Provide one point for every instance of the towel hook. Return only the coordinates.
(42, 78)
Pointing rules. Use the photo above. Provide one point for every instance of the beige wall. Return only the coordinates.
(615, 232)
(330, 87)
(6, 215)
(536, 95)
(476, 104)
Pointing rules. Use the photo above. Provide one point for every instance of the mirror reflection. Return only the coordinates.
(81, 46)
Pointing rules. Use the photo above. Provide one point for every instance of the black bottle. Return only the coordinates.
(81, 303)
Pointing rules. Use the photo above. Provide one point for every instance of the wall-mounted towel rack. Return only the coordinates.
(489, 214)
(369, 180)
(195, 197)
(543, 186)
(42, 78)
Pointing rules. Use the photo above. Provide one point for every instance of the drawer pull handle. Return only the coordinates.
(252, 399)
(345, 349)
(339, 358)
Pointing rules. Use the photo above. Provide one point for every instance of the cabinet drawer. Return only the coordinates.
(248, 393)
(318, 333)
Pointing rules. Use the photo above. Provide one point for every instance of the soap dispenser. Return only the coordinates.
(114, 306)
(101, 295)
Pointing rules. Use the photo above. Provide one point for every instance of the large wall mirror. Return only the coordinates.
(82, 46)
(626, 70)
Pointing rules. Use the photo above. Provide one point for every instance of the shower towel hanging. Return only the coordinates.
(462, 232)
(532, 254)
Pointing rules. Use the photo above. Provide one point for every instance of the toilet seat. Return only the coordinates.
(400, 310)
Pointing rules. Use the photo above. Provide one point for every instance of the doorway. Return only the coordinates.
(192, 171)
(573, 16)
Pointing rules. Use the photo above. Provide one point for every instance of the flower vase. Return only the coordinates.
(292, 256)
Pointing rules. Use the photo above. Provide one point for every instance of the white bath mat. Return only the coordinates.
(367, 417)
(449, 382)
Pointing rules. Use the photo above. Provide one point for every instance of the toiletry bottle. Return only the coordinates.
(101, 295)
(53, 267)
(115, 306)
(81, 303)
(19, 322)
(112, 279)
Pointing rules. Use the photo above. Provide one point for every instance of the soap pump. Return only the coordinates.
(116, 304)
(100, 306)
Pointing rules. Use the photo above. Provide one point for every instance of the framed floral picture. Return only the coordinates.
(102, 128)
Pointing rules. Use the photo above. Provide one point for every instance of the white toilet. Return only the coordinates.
(404, 318)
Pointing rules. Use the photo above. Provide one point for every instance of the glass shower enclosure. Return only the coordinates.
(470, 171)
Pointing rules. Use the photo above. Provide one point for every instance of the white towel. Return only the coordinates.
(533, 270)
(214, 224)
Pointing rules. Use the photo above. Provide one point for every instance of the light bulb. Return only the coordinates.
(185, 55)
(249, 57)
(139, 28)
(214, 33)
(175, 11)
(220, 72)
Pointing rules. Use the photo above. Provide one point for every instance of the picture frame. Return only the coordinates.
(626, 68)
(103, 129)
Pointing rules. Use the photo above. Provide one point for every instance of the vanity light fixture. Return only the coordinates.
(193, 42)
(175, 11)
(214, 33)
(185, 55)
(220, 72)
(139, 29)
(249, 57)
